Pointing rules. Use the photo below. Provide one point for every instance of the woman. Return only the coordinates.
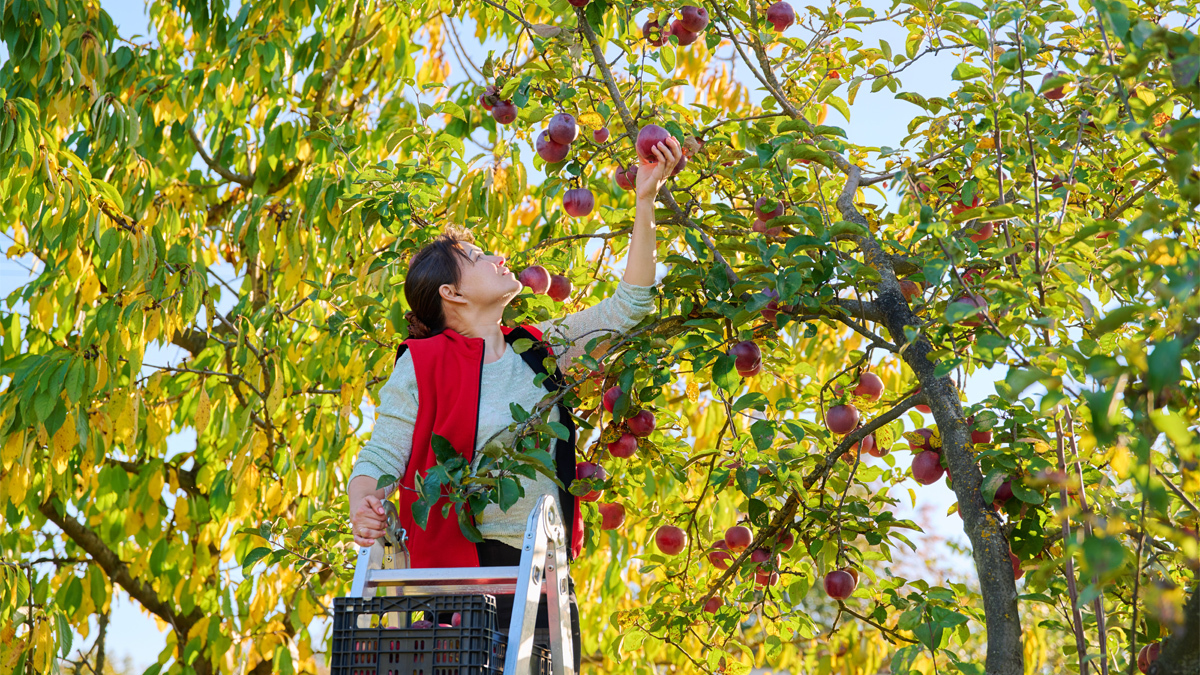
(456, 376)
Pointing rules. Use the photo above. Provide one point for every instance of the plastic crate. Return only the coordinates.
(363, 644)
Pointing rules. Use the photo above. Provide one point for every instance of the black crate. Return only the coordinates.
(475, 647)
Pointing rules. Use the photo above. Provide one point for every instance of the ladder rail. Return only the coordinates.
(544, 568)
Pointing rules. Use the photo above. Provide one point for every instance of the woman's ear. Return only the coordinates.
(450, 294)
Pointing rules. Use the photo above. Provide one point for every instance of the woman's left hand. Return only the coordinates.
(651, 175)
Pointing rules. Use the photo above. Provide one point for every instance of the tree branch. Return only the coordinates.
(227, 174)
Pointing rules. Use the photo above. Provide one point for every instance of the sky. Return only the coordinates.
(876, 119)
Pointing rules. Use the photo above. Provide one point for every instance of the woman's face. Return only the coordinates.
(484, 279)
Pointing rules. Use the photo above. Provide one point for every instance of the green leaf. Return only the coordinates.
(1164, 366)
(254, 556)
(1025, 494)
(725, 373)
(763, 433)
(442, 449)
(964, 71)
(509, 491)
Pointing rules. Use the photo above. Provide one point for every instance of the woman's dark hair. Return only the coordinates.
(429, 268)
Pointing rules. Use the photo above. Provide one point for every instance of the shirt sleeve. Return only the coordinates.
(617, 314)
(390, 445)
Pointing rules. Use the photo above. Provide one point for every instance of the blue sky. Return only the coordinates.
(877, 119)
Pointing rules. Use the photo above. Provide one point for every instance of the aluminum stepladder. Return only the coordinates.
(543, 568)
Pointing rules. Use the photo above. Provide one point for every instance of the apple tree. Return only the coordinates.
(219, 220)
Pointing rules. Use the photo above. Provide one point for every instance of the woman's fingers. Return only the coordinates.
(366, 537)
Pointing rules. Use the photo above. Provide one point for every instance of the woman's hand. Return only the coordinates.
(367, 520)
(651, 175)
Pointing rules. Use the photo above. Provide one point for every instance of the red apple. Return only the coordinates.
(591, 471)
(549, 150)
(612, 516)
(610, 397)
(786, 540)
(781, 16)
(578, 3)
(972, 301)
(718, 555)
(958, 206)
(981, 436)
(714, 603)
(600, 135)
(1147, 656)
(560, 287)
(772, 309)
(693, 18)
(577, 202)
(670, 539)
(1057, 92)
(562, 129)
(1016, 565)
(927, 434)
(1003, 494)
(870, 387)
(841, 419)
(983, 233)
(738, 538)
(747, 357)
(422, 625)
(927, 467)
(910, 289)
(685, 36)
(839, 584)
(536, 278)
(921, 406)
(650, 136)
(679, 166)
(624, 447)
(762, 213)
(490, 96)
(504, 112)
(623, 179)
(766, 578)
(654, 33)
(456, 620)
(868, 446)
(641, 424)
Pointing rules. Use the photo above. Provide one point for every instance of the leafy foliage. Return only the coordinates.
(311, 146)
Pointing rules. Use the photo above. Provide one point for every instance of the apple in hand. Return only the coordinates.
(650, 136)
(641, 424)
(624, 447)
(670, 539)
(612, 516)
(536, 278)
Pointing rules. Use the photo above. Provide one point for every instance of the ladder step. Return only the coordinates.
(501, 577)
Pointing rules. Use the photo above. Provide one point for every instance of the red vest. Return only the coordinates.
(449, 367)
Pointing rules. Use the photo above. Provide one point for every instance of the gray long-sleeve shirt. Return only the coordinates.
(504, 381)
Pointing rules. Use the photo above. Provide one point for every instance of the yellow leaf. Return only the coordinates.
(591, 120)
(203, 410)
(693, 391)
(153, 326)
(276, 396)
(12, 447)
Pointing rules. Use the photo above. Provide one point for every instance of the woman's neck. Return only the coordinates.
(494, 345)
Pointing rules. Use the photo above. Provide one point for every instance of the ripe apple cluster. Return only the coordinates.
(541, 282)
(687, 28)
(503, 111)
